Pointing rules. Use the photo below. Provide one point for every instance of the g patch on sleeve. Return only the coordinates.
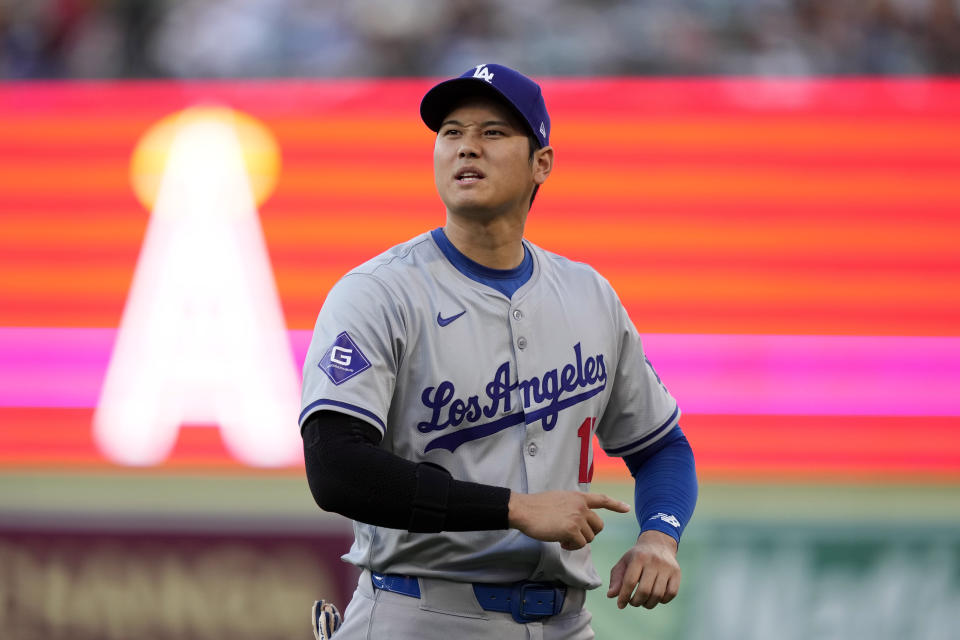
(343, 360)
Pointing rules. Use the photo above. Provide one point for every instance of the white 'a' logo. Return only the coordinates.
(483, 73)
(202, 339)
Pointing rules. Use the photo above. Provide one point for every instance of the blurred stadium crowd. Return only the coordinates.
(336, 38)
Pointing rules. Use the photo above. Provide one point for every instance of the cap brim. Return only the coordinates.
(443, 98)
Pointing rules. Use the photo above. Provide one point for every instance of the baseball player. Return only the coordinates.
(451, 393)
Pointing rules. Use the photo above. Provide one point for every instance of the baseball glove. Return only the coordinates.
(325, 619)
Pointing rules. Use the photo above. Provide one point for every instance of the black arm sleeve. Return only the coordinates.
(350, 475)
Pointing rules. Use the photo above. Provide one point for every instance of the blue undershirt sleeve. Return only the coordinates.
(665, 492)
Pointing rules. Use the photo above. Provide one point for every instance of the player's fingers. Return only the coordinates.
(595, 522)
(630, 579)
(616, 578)
(573, 541)
(672, 589)
(586, 530)
(644, 586)
(656, 594)
(601, 501)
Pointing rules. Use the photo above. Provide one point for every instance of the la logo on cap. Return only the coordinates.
(483, 73)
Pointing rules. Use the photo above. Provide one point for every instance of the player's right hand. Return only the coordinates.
(567, 517)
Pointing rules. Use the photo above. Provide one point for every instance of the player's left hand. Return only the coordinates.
(648, 573)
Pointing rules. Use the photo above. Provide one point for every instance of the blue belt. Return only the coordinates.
(525, 601)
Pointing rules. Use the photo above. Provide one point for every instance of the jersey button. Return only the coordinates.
(532, 449)
(517, 314)
(522, 342)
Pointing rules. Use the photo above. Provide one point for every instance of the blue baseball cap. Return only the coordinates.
(503, 83)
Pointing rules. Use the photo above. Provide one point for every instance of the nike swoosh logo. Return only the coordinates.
(445, 321)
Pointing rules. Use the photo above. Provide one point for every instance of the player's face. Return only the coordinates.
(481, 161)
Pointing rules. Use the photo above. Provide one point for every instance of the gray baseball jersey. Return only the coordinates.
(498, 391)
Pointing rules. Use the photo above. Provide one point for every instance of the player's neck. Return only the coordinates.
(497, 244)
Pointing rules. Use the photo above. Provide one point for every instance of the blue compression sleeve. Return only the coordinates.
(666, 484)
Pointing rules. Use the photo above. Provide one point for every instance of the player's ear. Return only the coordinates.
(542, 164)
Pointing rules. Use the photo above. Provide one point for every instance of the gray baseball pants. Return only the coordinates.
(449, 611)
